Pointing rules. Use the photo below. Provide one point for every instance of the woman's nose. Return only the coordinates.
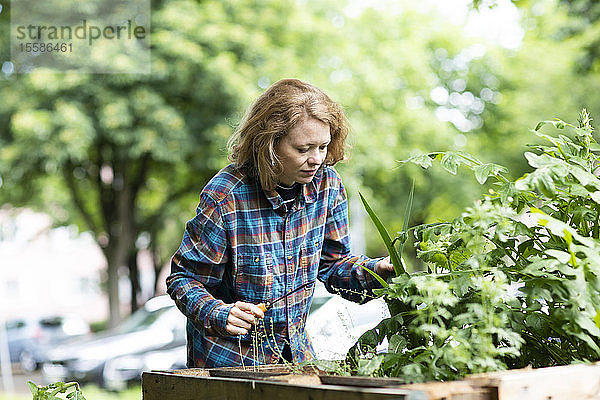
(316, 158)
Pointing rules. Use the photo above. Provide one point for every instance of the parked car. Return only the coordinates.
(125, 370)
(29, 339)
(158, 325)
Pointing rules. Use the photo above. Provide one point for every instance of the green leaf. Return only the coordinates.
(540, 179)
(424, 160)
(597, 318)
(33, 388)
(394, 256)
(585, 178)
(535, 321)
(557, 123)
(594, 147)
(369, 367)
(406, 221)
(483, 171)
(576, 189)
(561, 256)
(375, 275)
(450, 162)
(397, 343)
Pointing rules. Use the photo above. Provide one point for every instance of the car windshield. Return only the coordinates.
(15, 324)
(51, 322)
(141, 319)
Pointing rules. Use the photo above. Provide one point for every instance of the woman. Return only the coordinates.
(267, 226)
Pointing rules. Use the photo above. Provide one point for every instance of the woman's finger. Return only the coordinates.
(235, 321)
(235, 330)
(250, 308)
(243, 315)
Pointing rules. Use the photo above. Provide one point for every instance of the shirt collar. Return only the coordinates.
(308, 193)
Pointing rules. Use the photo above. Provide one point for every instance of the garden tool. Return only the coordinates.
(265, 306)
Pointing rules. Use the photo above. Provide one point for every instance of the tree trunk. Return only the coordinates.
(112, 286)
(121, 244)
(134, 279)
(158, 265)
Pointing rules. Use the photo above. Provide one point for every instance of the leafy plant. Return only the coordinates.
(53, 390)
(513, 281)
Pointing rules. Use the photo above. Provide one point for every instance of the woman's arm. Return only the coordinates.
(341, 271)
(199, 265)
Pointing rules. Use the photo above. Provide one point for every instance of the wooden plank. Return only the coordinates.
(580, 381)
(294, 379)
(168, 386)
(263, 372)
(570, 382)
(457, 390)
(362, 381)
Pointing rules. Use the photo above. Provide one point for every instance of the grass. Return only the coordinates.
(90, 392)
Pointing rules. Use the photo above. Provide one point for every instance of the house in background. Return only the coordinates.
(46, 270)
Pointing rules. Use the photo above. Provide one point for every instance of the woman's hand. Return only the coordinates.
(242, 317)
(384, 268)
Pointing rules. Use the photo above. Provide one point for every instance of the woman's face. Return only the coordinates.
(303, 150)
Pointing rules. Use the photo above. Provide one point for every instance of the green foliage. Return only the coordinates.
(56, 391)
(394, 256)
(512, 282)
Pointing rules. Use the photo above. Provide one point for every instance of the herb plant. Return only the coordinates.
(56, 391)
(512, 282)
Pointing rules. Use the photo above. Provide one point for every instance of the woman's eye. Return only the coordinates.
(302, 150)
(323, 148)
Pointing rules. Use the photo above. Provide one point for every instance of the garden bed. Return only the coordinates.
(289, 382)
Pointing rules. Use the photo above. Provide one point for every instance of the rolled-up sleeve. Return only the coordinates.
(342, 272)
(198, 266)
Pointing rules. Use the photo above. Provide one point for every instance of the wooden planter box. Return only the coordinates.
(280, 382)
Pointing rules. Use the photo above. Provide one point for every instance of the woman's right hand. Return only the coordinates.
(242, 317)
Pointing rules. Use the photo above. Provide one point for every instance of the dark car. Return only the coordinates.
(30, 338)
(158, 325)
(122, 371)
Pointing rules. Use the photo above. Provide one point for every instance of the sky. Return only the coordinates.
(499, 24)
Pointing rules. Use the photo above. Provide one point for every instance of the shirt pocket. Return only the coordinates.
(254, 278)
(311, 256)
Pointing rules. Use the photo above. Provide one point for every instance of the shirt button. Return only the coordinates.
(257, 259)
(289, 257)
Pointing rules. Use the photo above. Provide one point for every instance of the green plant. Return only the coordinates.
(513, 281)
(53, 390)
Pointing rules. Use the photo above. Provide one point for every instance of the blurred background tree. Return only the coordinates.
(125, 156)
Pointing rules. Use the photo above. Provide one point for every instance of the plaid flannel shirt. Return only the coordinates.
(242, 246)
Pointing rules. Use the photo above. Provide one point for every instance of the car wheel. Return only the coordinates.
(28, 363)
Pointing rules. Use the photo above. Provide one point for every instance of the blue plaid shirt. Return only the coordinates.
(242, 246)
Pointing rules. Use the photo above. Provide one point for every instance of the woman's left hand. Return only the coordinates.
(384, 268)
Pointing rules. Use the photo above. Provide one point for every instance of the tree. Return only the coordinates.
(122, 155)
(125, 156)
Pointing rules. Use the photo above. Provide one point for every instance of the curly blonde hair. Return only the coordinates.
(283, 105)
